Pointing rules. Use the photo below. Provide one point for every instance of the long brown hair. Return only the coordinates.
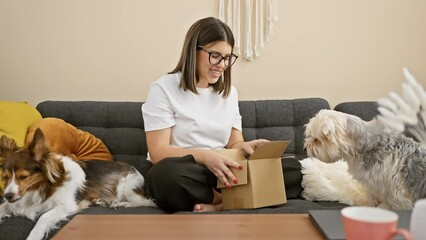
(203, 32)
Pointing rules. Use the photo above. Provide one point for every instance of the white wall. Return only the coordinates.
(112, 50)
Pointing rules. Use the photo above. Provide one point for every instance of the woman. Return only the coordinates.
(189, 113)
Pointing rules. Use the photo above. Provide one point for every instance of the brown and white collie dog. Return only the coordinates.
(52, 186)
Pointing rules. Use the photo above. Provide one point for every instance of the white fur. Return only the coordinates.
(331, 182)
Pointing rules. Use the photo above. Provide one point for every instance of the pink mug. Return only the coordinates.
(371, 223)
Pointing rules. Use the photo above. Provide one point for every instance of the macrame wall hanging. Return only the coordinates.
(264, 13)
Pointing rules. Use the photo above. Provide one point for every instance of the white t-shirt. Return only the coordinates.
(202, 120)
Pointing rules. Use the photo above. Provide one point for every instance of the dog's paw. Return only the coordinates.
(3, 217)
(146, 202)
(100, 202)
(120, 204)
(371, 199)
(32, 215)
(36, 234)
(151, 203)
(384, 205)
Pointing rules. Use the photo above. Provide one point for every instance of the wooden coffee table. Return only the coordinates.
(189, 226)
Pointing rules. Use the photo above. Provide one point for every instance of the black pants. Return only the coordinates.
(177, 184)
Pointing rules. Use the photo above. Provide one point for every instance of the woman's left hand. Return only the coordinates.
(249, 147)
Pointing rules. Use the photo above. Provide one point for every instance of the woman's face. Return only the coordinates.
(207, 72)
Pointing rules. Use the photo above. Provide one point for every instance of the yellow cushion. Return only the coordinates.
(15, 119)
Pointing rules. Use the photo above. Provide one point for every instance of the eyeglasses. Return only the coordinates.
(215, 58)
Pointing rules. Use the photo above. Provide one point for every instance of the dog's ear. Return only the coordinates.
(355, 131)
(40, 151)
(327, 128)
(7, 145)
(37, 147)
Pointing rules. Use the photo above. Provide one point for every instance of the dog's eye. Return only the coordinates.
(22, 177)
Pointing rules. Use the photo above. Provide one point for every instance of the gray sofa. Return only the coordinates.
(120, 126)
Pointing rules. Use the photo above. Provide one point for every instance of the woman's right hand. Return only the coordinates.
(220, 166)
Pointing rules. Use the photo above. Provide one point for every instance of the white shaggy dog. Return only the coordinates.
(390, 166)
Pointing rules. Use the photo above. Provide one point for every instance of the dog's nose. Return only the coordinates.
(8, 196)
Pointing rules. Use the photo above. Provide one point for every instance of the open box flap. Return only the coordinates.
(273, 149)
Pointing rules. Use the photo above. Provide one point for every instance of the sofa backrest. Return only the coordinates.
(120, 124)
(280, 120)
(366, 110)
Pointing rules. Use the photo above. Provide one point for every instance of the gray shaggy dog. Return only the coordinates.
(387, 162)
(390, 166)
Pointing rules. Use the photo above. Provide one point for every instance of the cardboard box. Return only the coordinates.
(260, 182)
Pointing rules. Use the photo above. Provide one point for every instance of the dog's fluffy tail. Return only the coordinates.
(406, 113)
(331, 182)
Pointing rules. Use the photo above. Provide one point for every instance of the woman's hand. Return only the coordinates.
(220, 166)
(236, 141)
(249, 147)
